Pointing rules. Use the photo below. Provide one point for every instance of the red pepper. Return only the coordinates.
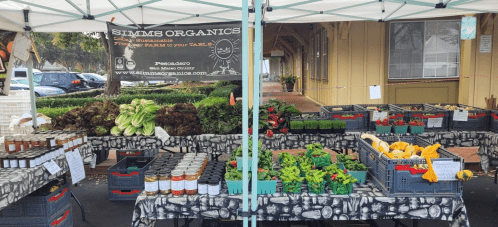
(313, 167)
(284, 131)
(233, 163)
(333, 177)
(345, 171)
(274, 178)
(250, 130)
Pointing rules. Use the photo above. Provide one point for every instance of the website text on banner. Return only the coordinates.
(177, 53)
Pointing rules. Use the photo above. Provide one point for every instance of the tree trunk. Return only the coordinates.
(113, 86)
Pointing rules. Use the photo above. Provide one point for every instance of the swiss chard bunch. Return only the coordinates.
(291, 175)
(339, 176)
(384, 122)
(345, 158)
(355, 166)
(268, 174)
(315, 176)
(233, 174)
(265, 159)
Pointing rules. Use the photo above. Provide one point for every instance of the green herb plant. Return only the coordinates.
(325, 124)
(268, 175)
(235, 175)
(344, 158)
(311, 124)
(297, 125)
(339, 176)
(355, 166)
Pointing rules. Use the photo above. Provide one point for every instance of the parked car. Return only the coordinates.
(67, 81)
(23, 72)
(95, 80)
(40, 91)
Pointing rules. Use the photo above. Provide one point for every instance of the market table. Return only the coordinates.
(18, 183)
(365, 203)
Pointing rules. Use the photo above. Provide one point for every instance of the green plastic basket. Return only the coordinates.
(267, 186)
(293, 187)
(234, 186)
(360, 175)
(321, 161)
(341, 165)
(341, 189)
(240, 165)
(316, 188)
(383, 129)
(417, 129)
(401, 129)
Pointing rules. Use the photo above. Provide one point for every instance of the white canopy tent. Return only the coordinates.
(91, 15)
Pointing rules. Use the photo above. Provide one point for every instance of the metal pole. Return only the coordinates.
(245, 109)
(261, 74)
(30, 74)
(255, 108)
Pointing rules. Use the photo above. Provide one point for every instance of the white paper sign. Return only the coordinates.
(485, 45)
(52, 167)
(446, 170)
(75, 166)
(435, 122)
(460, 115)
(22, 47)
(161, 134)
(375, 92)
(377, 115)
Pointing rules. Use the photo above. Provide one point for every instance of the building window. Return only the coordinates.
(317, 55)
(312, 59)
(325, 59)
(429, 49)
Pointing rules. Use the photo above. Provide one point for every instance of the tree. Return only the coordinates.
(113, 86)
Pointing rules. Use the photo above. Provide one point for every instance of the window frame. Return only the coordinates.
(312, 57)
(423, 53)
(318, 58)
(325, 56)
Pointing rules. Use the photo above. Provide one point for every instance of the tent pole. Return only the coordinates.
(261, 72)
(30, 74)
(255, 108)
(245, 110)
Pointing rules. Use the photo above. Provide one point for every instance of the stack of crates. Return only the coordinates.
(424, 112)
(479, 119)
(126, 178)
(33, 210)
(356, 118)
(17, 103)
(395, 113)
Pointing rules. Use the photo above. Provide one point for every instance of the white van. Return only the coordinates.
(22, 72)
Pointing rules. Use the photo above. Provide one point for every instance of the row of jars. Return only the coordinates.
(69, 141)
(30, 158)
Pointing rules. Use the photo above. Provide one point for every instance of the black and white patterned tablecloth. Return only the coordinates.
(488, 151)
(17, 183)
(124, 142)
(366, 202)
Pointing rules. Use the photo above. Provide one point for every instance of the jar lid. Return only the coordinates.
(202, 181)
(214, 181)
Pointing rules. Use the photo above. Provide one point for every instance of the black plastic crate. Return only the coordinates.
(119, 176)
(479, 119)
(120, 154)
(493, 126)
(358, 122)
(102, 155)
(428, 111)
(63, 218)
(395, 113)
(398, 183)
(14, 210)
(124, 194)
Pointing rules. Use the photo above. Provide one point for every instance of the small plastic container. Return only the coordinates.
(10, 145)
(18, 143)
(151, 183)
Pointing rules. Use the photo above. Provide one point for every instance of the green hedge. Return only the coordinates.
(206, 90)
(160, 99)
(146, 91)
(54, 112)
(223, 91)
(86, 94)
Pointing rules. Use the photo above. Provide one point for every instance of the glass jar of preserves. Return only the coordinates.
(74, 138)
(65, 145)
(10, 145)
(214, 186)
(191, 177)
(50, 142)
(26, 143)
(151, 183)
(59, 140)
(41, 141)
(177, 182)
(13, 162)
(165, 182)
(202, 186)
(18, 143)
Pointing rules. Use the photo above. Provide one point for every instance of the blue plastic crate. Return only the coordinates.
(120, 154)
(63, 218)
(396, 183)
(358, 124)
(234, 186)
(118, 176)
(472, 124)
(427, 110)
(493, 126)
(41, 206)
(119, 194)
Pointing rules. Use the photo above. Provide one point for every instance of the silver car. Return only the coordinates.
(40, 91)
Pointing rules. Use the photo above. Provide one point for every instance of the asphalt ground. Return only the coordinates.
(479, 196)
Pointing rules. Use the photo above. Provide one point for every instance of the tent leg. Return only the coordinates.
(245, 110)
(30, 76)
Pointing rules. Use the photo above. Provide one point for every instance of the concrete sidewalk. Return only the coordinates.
(273, 90)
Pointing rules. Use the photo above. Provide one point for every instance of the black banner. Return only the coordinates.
(177, 52)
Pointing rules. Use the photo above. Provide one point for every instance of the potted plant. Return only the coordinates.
(297, 127)
(325, 126)
(233, 178)
(311, 126)
(400, 127)
(416, 126)
(339, 181)
(267, 181)
(342, 158)
(289, 82)
(339, 126)
(383, 126)
(318, 156)
(291, 179)
(314, 179)
(357, 170)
